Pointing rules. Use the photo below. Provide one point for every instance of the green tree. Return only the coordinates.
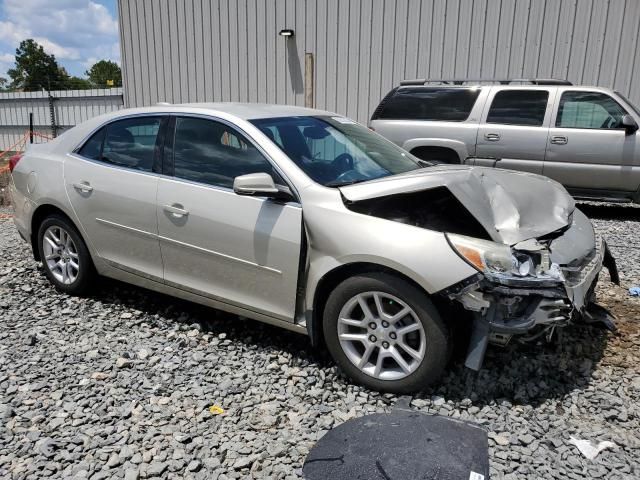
(105, 73)
(77, 83)
(35, 69)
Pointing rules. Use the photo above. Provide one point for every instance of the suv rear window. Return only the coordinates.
(519, 107)
(425, 103)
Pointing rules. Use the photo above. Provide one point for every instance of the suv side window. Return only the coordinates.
(213, 153)
(519, 107)
(424, 103)
(589, 110)
(131, 143)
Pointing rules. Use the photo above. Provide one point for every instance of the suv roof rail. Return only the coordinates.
(502, 81)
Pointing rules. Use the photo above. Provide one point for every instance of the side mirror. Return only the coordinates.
(260, 185)
(629, 124)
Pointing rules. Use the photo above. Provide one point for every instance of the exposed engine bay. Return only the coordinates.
(424, 209)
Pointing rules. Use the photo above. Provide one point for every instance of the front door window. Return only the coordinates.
(589, 110)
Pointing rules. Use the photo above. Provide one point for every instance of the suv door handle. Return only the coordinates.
(492, 137)
(176, 210)
(559, 140)
(83, 187)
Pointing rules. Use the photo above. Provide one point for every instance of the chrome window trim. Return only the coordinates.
(293, 203)
(111, 165)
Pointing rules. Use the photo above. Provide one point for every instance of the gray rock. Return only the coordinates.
(123, 362)
(155, 469)
(131, 474)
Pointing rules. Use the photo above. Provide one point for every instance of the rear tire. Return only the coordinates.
(385, 333)
(65, 257)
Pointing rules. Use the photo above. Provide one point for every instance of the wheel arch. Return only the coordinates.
(333, 278)
(42, 212)
(453, 147)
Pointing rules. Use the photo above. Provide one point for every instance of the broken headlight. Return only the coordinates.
(498, 260)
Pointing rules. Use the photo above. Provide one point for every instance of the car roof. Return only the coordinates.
(246, 111)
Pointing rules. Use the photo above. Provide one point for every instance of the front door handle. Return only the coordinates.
(559, 140)
(84, 187)
(492, 137)
(176, 210)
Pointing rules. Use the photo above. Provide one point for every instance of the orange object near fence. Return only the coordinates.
(17, 147)
(20, 145)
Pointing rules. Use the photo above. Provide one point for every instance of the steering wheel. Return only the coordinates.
(342, 163)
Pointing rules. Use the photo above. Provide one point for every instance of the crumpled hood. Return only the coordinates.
(511, 206)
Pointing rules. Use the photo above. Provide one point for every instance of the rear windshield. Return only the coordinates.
(427, 103)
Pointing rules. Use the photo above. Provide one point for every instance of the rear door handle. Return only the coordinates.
(492, 137)
(176, 210)
(83, 187)
(559, 140)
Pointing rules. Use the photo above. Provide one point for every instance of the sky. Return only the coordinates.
(77, 32)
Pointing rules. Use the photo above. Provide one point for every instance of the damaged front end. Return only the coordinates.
(536, 255)
(530, 289)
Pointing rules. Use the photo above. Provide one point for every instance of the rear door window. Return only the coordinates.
(131, 143)
(424, 103)
(519, 107)
(589, 110)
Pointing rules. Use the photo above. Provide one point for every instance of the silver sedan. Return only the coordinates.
(309, 221)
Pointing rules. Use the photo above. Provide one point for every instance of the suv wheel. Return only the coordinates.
(385, 333)
(65, 257)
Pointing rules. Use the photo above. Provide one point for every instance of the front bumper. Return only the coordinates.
(502, 311)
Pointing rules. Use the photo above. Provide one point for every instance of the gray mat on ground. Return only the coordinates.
(401, 445)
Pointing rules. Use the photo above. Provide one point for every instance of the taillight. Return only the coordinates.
(13, 161)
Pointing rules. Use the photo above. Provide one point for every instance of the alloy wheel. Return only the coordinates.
(381, 335)
(61, 255)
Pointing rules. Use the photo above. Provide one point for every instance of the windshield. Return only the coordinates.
(336, 151)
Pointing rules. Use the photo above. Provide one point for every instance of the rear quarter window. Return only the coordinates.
(425, 103)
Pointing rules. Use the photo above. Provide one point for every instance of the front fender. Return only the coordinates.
(422, 255)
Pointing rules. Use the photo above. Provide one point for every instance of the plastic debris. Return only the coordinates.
(216, 410)
(634, 291)
(588, 450)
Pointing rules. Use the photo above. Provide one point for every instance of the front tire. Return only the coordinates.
(385, 333)
(65, 257)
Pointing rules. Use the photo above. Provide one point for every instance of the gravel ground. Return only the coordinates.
(120, 385)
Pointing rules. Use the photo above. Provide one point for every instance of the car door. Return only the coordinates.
(241, 250)
(589, 148)
(514, 128)
(112, 184)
